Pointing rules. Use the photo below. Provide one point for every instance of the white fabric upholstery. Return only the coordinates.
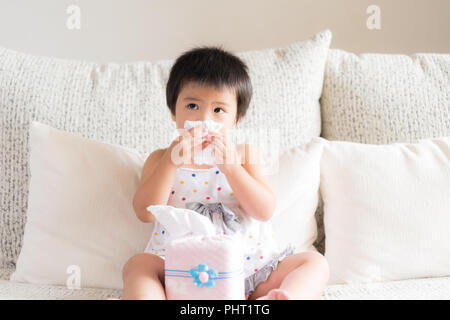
(429, 288)
(413, 289)
(386, 210)
(383, 98)
(81, 225)
(125, 104)
(10, 290)
(80, 213)
(296, 181)
(372, 98)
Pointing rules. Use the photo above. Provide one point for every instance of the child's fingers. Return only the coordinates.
(196, 129)
(197, 144)
(213, 133)
(197, 132)
(218, 152)
(219, 142)
(205, 144)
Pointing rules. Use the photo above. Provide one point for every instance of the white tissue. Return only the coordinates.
(181, 222)
(206, 155)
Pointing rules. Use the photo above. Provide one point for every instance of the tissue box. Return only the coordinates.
(204, 268)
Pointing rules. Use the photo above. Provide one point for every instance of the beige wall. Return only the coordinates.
(130, 30)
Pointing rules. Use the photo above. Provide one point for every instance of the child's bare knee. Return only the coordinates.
(138, 261)
(319, 261)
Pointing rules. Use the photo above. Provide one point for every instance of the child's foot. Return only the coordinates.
(276, 294)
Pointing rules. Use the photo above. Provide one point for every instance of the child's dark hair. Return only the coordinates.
(210, 66)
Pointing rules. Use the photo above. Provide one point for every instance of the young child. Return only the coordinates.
(208, 83)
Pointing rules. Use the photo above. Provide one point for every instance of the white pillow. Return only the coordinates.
(384, 98)
(80, 207)
(386, 210)
(296, 186)
(80, 211)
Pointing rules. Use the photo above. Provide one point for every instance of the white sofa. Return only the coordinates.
(368, 98)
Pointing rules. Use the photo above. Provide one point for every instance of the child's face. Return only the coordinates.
(196, 102)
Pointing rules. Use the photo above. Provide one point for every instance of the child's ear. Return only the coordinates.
(173, 116)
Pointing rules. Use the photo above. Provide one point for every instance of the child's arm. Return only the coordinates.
(159, 171)
(156, 181)
(251, 187)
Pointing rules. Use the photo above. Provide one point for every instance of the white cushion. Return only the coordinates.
(296, 181)
(79, 211)
(384, 98)
(125, 104)
(80, 207)
(386, 210)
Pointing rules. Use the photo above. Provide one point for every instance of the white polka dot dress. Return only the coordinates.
(210, 186)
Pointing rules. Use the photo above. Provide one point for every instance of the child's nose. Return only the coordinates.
(204, 117)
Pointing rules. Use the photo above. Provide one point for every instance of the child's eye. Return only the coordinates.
(218, 109)
(190, 104)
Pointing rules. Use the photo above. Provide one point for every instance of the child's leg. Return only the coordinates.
(143, 277)
(301, 276)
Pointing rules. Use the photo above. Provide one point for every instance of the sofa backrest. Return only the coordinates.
(368, 98)
(383, 98)
(125, 104)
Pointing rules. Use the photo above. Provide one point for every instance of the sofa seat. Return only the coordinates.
(10, 290)
(427, 288)
(413, 289)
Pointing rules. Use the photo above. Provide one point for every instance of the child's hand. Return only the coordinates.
(226, 155)
(182, 149)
